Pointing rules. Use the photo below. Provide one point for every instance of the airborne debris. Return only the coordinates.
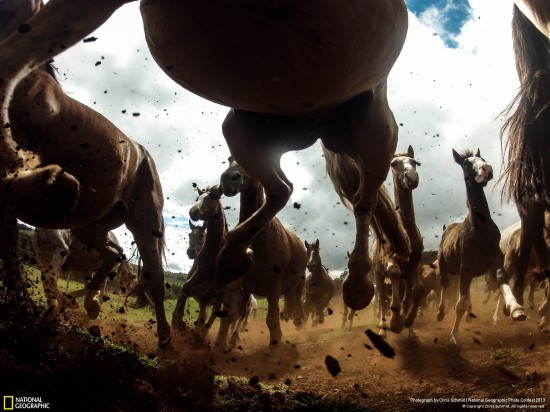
(379, 343)
(332, 365)
(297, 205)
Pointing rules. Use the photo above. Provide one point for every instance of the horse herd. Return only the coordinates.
(279, 66)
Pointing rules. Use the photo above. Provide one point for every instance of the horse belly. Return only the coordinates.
(284, 57)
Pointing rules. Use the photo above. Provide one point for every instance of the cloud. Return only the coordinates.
(446, 90)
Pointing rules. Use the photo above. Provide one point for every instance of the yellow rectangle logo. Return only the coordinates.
(8, 403)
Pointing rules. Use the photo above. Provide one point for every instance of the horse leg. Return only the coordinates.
(381, 293)
(529, 231)
(257, 141)
(351, 317)
(512, 306)
(495, 315)
(417, 291)
(444, 275)
(531, 296)
(345, 316)
(272, 321)
(544, 309)
(394, 273)
(461, 305)
(146, 225)
(86, 243)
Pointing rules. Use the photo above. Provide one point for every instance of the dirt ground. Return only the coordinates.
(503, 366)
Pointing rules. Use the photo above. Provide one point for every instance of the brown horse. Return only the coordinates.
(510, 245)
(471, 248)
(53, 249)
(114, 181)
(293, 72)
(279, 262)
(319, 287)
(196, 240)
(207, 208)
(405, 180)
(527, 174)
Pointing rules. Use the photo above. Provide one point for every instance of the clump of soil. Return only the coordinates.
(73, 368)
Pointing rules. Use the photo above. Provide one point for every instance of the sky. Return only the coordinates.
(454, 77)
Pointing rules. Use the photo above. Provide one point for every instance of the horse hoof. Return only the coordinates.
(93, 309)
(517, 313)
(396, 324)
(357, 294)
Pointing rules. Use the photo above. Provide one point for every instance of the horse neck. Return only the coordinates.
(478, 208)
(251, 200)
(319, 270)
(404, 204)
(216, 229)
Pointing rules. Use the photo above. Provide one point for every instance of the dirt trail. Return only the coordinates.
(503, 363)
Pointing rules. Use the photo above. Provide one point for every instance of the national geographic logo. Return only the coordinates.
(24, 402)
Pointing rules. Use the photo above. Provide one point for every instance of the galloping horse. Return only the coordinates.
(293, 72)
(279, 261)
(55, 256)
(207, 208)
(527, 174)
(105, 180)
(405, 180)
(510, 244)
(196, 240)
(471, 248)
(319, 287)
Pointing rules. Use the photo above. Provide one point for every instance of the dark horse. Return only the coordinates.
(293, 72)
(207, 208)
(319, 288)
(105, 180)
(471, 248)
(279, 261)
(527, 174)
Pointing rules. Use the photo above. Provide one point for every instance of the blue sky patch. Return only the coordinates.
(452, 15)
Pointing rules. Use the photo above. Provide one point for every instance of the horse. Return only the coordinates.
(53, 248)
(278, 66)
(527, 173)
(319, 288)
(196, 240)
(510, 245)
(113, 181)
(209, 209)
(405, 180)
(279, 262)
(471, 248)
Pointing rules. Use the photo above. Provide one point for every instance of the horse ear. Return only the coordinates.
(349, 255)
(478, 154)
(410, 151)
(317, 242)
(307, 244)
(458, 158)
(230, 159)
(216, 191)
(200, 191)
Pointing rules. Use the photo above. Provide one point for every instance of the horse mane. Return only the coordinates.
(388, 227)
(467, 153)
(527, 173)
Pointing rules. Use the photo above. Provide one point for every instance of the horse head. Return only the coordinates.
(403, 166)
(474, 167)
(234, 179)
(196, 239)
(313, 256)
(207, 205)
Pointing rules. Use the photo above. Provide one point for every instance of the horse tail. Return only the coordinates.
(527, 173)
(388, 227)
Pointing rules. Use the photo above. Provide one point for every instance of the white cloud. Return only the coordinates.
(443, 97)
